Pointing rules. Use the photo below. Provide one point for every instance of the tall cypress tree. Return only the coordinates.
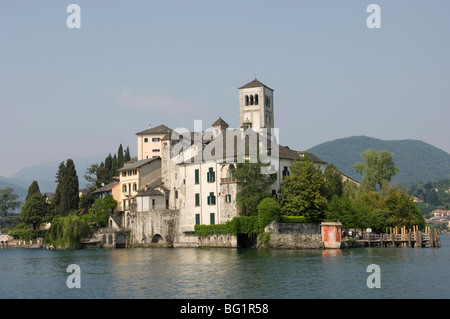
(33, 189)
(127, 156)
(55, 204)
(120, 157)
(69, 189)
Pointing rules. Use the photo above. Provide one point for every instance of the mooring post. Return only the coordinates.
(419, 239)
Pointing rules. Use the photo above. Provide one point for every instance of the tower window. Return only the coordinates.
(246, 100)
(256, 99)
(252, 101)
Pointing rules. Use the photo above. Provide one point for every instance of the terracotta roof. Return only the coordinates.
(161, 129)
(137, 164)
(106, 188)
(253, 84)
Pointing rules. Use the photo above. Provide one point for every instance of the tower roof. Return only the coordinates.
(253, 84)
(220, 122)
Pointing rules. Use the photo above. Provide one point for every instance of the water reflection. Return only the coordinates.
(227, 273)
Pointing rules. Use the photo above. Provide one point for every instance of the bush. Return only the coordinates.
(28, 234)
(293, 219)
(238, 225)
(268, 210)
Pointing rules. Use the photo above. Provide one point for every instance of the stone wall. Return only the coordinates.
(225, 240)
(294, 236)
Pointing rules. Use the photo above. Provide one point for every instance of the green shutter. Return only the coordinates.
(197, 219)
(212, 218)
(197, 176)
(197, 199)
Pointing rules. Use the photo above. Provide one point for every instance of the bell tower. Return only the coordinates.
(256, 106)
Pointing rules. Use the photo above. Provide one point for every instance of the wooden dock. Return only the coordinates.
(402, 238)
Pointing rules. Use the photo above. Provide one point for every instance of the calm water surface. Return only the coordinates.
(227, 273)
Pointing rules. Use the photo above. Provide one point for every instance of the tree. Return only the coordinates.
(120, 157)
(69, 189)
(60, 181)
(253, 187)
(33, 189)
(34, 211)
(66, 194)
(377, 169)
(304, 192)
(8, 203)
(334, 182)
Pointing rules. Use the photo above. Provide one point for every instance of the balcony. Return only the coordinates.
(228, 180)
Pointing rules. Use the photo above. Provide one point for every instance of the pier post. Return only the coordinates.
(419, 239)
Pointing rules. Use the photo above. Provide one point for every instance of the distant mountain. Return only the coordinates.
(18, 190)
(45, 174)
(417, 160)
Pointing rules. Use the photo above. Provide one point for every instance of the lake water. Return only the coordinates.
(227, 273)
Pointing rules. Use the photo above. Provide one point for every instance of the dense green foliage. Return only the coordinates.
(33, 189)
(28, 234)
(253, 187)
(103, 173)
(66, 231)
(417, 161)
(268, 210)
(34, 211)
(376, 211)
(376, 169)
(67, 191)
(293, 219)
(99, 213)
(304, 192)
(238, 225)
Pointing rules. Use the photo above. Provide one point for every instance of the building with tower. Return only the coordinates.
(170, 189)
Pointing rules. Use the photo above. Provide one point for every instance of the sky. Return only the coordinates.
(79, 92)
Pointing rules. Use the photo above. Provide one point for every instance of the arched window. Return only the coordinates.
(246, 100)
(256, 99)
(251, 100)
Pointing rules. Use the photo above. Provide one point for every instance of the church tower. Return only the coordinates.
(256, 106)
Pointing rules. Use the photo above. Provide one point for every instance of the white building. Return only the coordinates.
(194, 179)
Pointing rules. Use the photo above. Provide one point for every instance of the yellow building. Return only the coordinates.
(149, 141)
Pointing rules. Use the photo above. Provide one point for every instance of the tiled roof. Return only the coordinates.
(106, 188)
(253, 84)
(161, 129)
(137, 164)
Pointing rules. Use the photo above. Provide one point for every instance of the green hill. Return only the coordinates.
(417, 160)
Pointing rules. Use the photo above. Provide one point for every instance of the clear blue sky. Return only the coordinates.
(73, 93)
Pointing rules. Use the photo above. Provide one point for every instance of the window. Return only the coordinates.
(211, 199)
(124, 188)
(135, 172)
(246, 100)
(124, 173)
(212, 218)
(256, 99)
(176, 194)
(197, 199)
(135, 187)
(153, 203)
(285, 171)
(211, 176)
(145, 140)
(156, 150)
(228, 198)
(197, 219)
(197, 176)
(156, 139)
